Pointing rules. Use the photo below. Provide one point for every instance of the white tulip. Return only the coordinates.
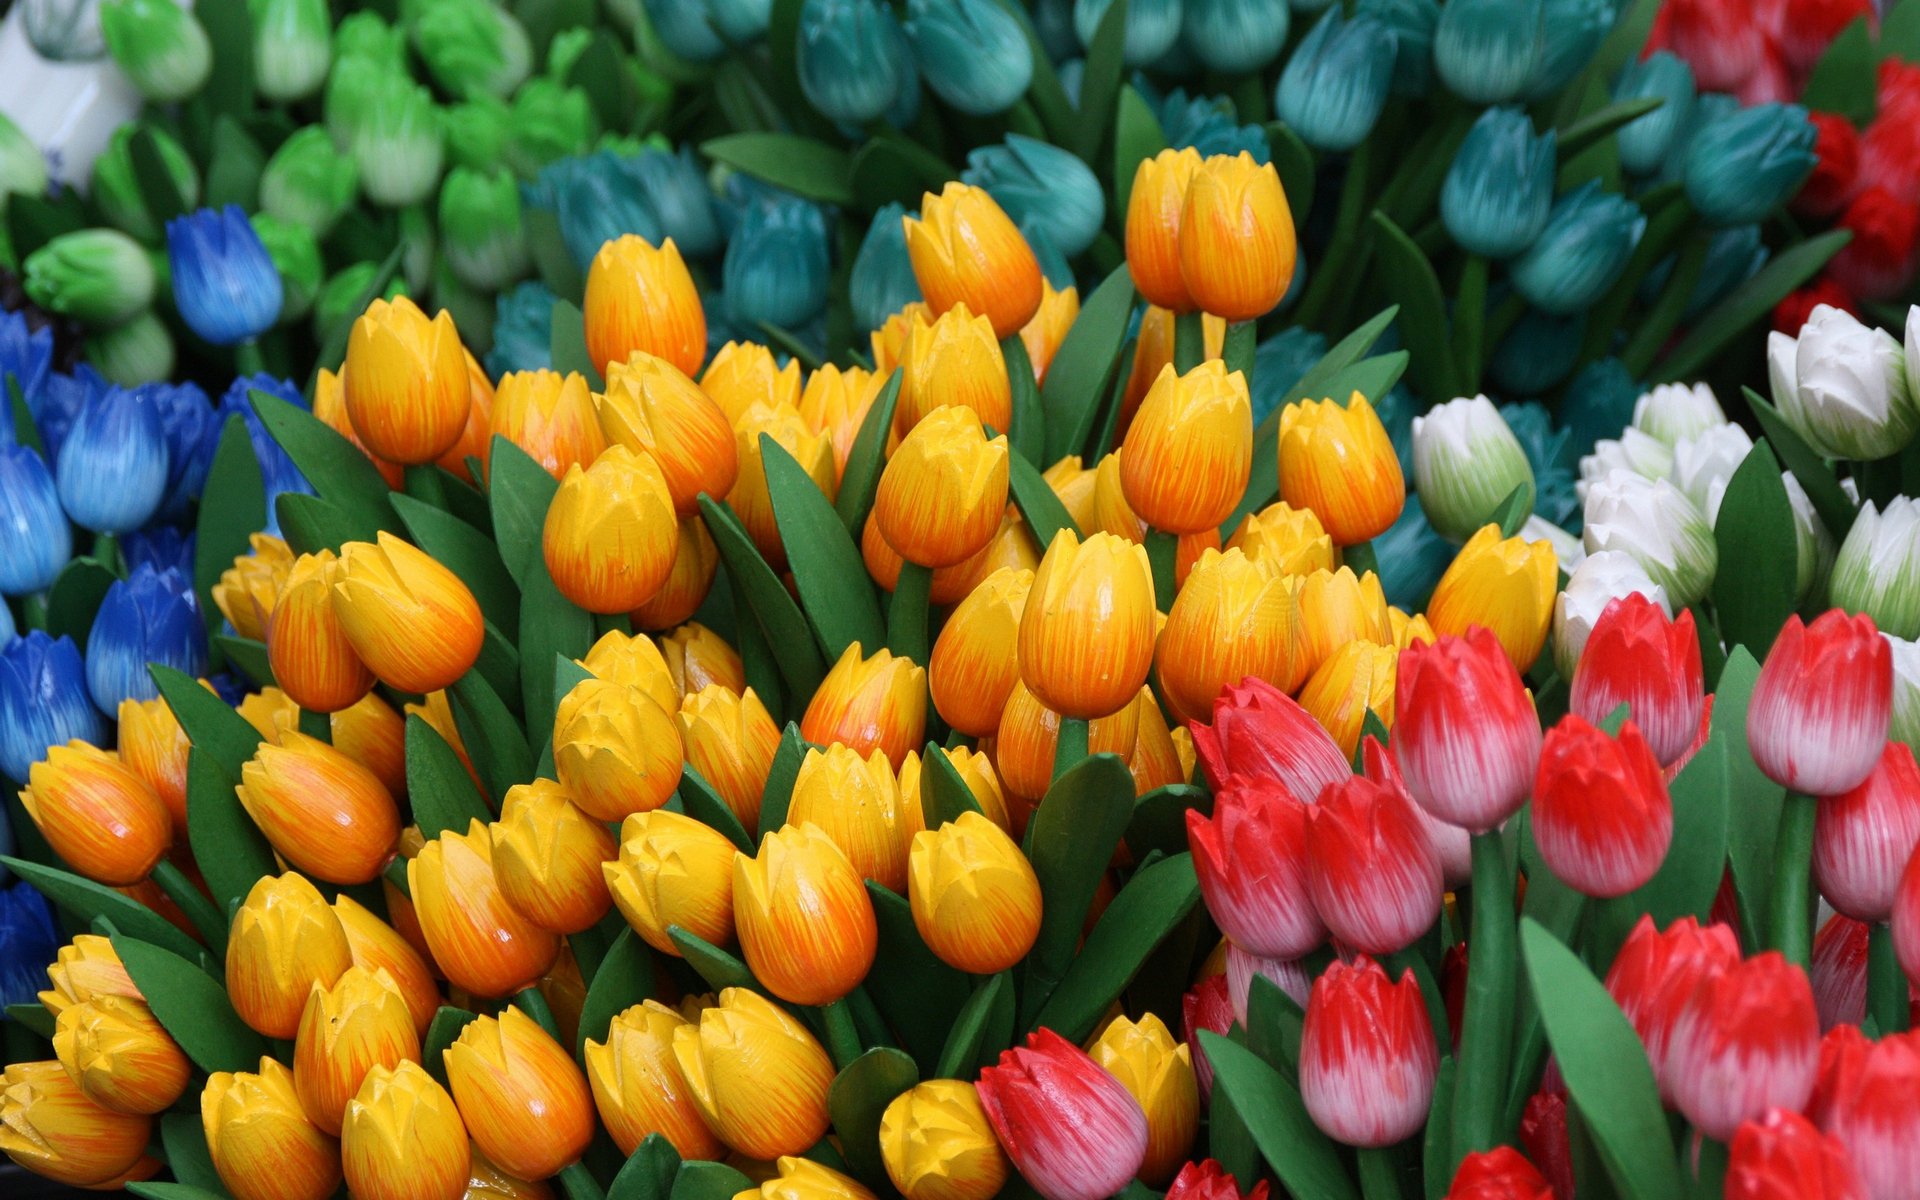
(1703, 463)
(1656, 524)
(1905, 726)
(1598, 580)
(1673, 412)
(1465, 462)
(1850, 397)
(1813, 545)
(1877, 571)
(1634, 450)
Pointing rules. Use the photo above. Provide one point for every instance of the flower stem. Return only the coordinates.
(1792, 917)
(247, 359)
(396, 874)
(1361, 558)
(1379, 1173)
(1163, 555)
(1711, 1177)
(200, 911)
(535, 1005)
(1189, 341)
(579, 1183)
(1072, 746)
(907, 615)
(1487, 1020)
(1238, 349)
(843, 1040)
(316, 725)
(1887, 997)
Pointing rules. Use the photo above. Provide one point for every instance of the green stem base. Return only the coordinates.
(316, 725)
(1792, 911)
(1072, 746)
(1887, 997)
(530, 1001)
(579, 1183)
(1163, 556)
(1487, 1019)
(907, 615)
(843, 1040)
(1361, 558)
(1189, 341)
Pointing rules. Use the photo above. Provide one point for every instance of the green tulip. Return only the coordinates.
(96, 276)
(366, 34)
(480, 230)
(548, 121)
(338, 295)
(292, 45)
(159, 45)
(399, 146)
(472, 47)
(308, 182)
(117, 192)
(354, 89)
(296, 256)
(132, 352)
(476, 133)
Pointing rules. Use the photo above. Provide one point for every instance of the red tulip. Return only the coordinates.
(1862, 839)
(1543, 1132)
(1260, 732)
(1207, 1005)
(1906, 921)
(1501, 1173)
(1806, 28)
(1654, 974)
(1367, 1055)
(1888, 146)
(1372, 870)
(1719, 39)
(1452, 843)
(1868, 1098)
(1782, 1156)
(1879, 262)
(1837, 173)
(1290, 976)
(1745, 1041)
(1897, 87)
(1465, 732)
(1251, 860)
(1208, 1180)
(1818, 718)
(1791, 313)
(1700, 735)
(1839, 972)
(1640, 657)
(1073, 1131)
(1601, 815)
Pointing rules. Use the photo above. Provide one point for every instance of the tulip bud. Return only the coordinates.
(1649, 662)
(966, 250)
(150, 617)
(550, 416)
(1580, 253)
(689, 579)
(1337, 608)
(1047, 332)
(120, 1056)
(1674, 412)
(954, 360)
(744, 374)
(775, 270)
(1236, 238)
(805, 922)
(1072, 1129)
(284, 941)
(262, 1144)
(974, 769)
(86, 969)
(1841, 385)
(943, 492)
(114, 183)
(1466, 732)
(758, 1078)
(154, 747)
(1367, 1055)
(1646, 140)
(651, 406)
(224, 283)
(937, 1145)
(523, 1099)
(1196, 428)
(610, 536)
(638, 1087)
(975, 898)
(1658, 527)
(1504, 584)
(547, 858)
(398, 142)
(1335, 81)
(1782, 1155)
(615, 750)
(1043, 187)
(246, 592)
(851, 60)
(112, 467)
(1742, 166)
(30, 504)
(1356, 679)
(856, 803)
(1744, 1041)
(1818, 717)
(376, 947)
(480, 227)
(1373, 871)
(1029, 736)
(868, 704)
(1087, 635)
(1287, 540)
(697, 658)
(1235, 618)
(1250, 857)
(730, 739)
(1158, 1074)
(161, 47)
(1339, 463)
(1596, 582)
(973, 54)
(307, 644)
(308, 182)
(347, 1029)
(1878, 568)
(640, 298)
(635, 661)
(974, 664)
(96, 276)
(403, 1138)
(1155, 207)
(478, 939)
(407, 387)
(1863, 837)
(673, 870)
(1465, 462)
(1602, 817)
(324, 813)
(99, 816)
(388, 593)
(50, 1127)
(1498, 190)
(751, 500)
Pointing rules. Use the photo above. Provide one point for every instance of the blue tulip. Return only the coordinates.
(522, 330)
(7, 633)
(849, 59)
(1209, 125)
(1499, 189)
(678, 194)
(28, 942)
(775, 270)
(1599, 402)
(149, 617)
(1278, 364)
(189, 421)
(160, 547)
(684, 27)
(1579, 254)
(1573, 31)
(973, 53)
(1072, 73)
(56, 406)
(1487, 51)
(595, 200)
(739, 21)
(882, 282)
(1538, 353)
(1335, 82)
(1709, 108)
(1413, 23)
(43, 701)
(1053, 23)
(26, 354)
(1235, 36)
(1644, 141)
(223, 280)
(33, 527)
(113, 467)
(1733, 257)
(905, 109)
(1040, 184)
(1743, 166)
(1153, 26)
(276, 469)
(1414, 556)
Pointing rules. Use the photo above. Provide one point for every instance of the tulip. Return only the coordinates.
(1638, 656)
(775, 270)
(330, 406)
(1704, 464)
(975, 770)
(1635, 451)
(1040, 186)
(1602, 817)
(1371, 868)
(478, 939)
(83, 970)
(1487, 51)
(347, 1029)
(635, 661)
(407, 388)
(836, 403)
(1504, 584)
(1261, 733)
(743, 374)
(882, 284)
(403, 1137)
(1027, 741)
(751, 498)
(1862, 838)
(290, 48)
(1250, 856)
(1863, 1101)
(548, 857)
(1338, 463)
(1674, 412)
(1819, 712)
(1335, 81)
(325, 813)
(936, 1144)
(943, 492)
(965, 249)
(120, 1056)
(973, 54)
(1198, 428)
(1501, 1173)
(43, 701)
(851, 59)
(856, 803)
(1742, 166)
(1583, 248)
(95, 276)
(698, 658)
(672, 870)
(730, 739)
(1878, 568)
(1466, 461)
(523, 1099)
(1155, 208)
(1646, 140)
(50, 1127)
(1499, 188)
(111, 469)
(284, 941)
(248, 588)
(1072, 1129)
(804, 1179)
(758, 1078)
(30, 511)
(308, 182)
(975, 664)
(223, 282)
(689, 579)
(1047, 332)
(975, 898)
(1367, 1055)
(1152, 28)
(1086, 635)
(651, 406)
(868, 704)
(1207, 1005)
(481, 230)
(610, 537)
(952, 359)
(1234, 37)
(161, 48)
(308, 648)
(376, 948)
(1235, 619)
(640, 298)
(99, 816)
(1744, 1041)
(1656, 526)
(551, 417)
(1841, 385)
(1783, 1155)
(1158, 1074)
(262, 1144)
(386, 594)
(1655, 973)
(1236, 238)
(638, 1088)
(154, 747)
(806, 925)
(1466, 734)
(398, 142)
(1356, 679)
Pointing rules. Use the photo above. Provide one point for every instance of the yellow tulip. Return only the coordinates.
(1155, 209)
(1157, 1072)
(975, 898)
(85, 968)
(347, 1030)
(638, 1087)
(524, 1101)
(937, 1144)
(673, 870)
(1236, 238)
(100, 817)
(744, 374)
(610, 536)
(856, 802)
(1337, 608)
(246, 590)
(262, 1144)
(697, 658)
(120, 1055)
(1339, 463)
(805, 922)
(1029, 734)
(308, 649)
(804, 1179)
(376, 946)
(1189, 449)
(547, 857)
(642, 299)
(50, 1127)
(757, 1076)
(635, 660)
(868, 704)
(651, 407)
(689, 579)
(615, 750)
(835, 402)
(954, 360)
(550, 416)
(324, 813)
(1153, 350)
(731, 740)
(284, 941)
(750, 498)
(403, 1138)
(975, 661)
(1356, 677)
(1087, 632)
(409, 618)
(1043, 334)
(479, 941)
(330, 407)
(891, 340)
(943, 492)
(1286, 539)
(406, 381)
(1234, 618)
(1505, 584)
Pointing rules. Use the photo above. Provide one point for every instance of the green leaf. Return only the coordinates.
(1843, 80)
(720, 969)
(550, 624)
(1275, 1022)
(158, 191)
(1070, 840)
(859, 1094)
(707, 806)
(973, 1027)
(520, 491)
(310, 524)
(75, 597)
(499, 664)
(438, 785)
(1605, 1068)
(1159, 820)
(867, 459)
(648, 1173)
(567, 344)
(192, 1005)
(1027, 434)
(781, 773)
(333, 350)
(788, 633)
(1900, 32)
(1409, 278)
(1317, 383)
(209, 722)
(1152, 904)
(1305, 1161)
(246, 655)
(1295, 163)
(492, 737)
(466, 552)
(919, 995)
(600, 72)
(1830, 501)
(232, 853)
(25, 431)
(895, 170)
(800, 165)
(1137, 136)
(184, 1137)
(1100, 82)
(444, 1029)
(88, 900)
(34, 1017)
(232, 507)
(340, 474)
(1084, 366)
(1753, 826)
(1746, 304)
(1436, 1151)
(944, 796)
(827, 568)
(234, 168)
(697, 1180)
(1511, 516)
(174, 1191)
(229, 26)
(1602, 123)
(1044, 514)
(1754, 594)
(624, 979)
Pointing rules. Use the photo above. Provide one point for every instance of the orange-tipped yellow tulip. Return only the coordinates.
(98, 816)
(805, 922)
(1337, 608)
(730, 739)
(1286, 539)
(85, 968)
(246, 590)
(1234, 618)
(1043, 334)
(868, 704)
(891, 340)
(642, 299)
(937, 1144)
(611, 536)
(403, 1138)
(261, 1142)
(476, 436)
(347, 1030)
(312, 657)
(758, 1077)
(835, 402)
(479, 940)
(1189, 449)
(689, 579)
(1012, 548)
(547, 856)
(50, 1127)
(744, 374)
(976, 771)
(1506, 584)
(953, 360)
(1339, 463)
(673, 870)
(1155, 210)
(1410, 630)
(697, 658)
(550, 416)
(804, 1179)
(1155, 762)
(376, 946)
(284, 941)
(635, 660)
(1086, 634)
(944, 491)
(406, 382)
(330, 406)
(270, 711)
(1356, 677)
(751, 500)
(975, 661)
(948, 585)
(638, 1087)
(325, 814)
(1154, 350)
(1029, 733)
(523, 1099)
(856, 802)
(1158, 1072)
(411, 620)
(1073, 483)
(1112, 514)
(975, 898)
(966, 250)
(120, 1055)
(1236, 238)
(615, 750)
(373, 735)
(651, 407)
